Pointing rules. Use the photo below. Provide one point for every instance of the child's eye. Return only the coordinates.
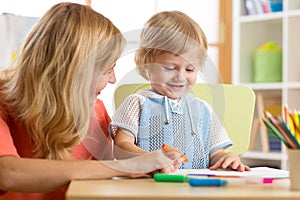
(169, 67)
(190, 69)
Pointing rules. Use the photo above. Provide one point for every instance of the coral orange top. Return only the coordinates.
(14, 141)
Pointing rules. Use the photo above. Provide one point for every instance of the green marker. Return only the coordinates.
(170, 178)
(192, 181)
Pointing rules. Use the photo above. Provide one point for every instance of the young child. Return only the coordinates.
(172, 51)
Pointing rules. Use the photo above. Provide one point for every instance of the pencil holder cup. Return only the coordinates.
(294, 166)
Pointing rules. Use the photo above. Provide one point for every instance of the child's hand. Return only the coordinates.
(227, 160)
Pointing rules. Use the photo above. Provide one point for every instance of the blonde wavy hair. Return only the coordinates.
(173, 32)
(48, 86)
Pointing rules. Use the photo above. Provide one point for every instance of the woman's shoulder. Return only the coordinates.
(4, 113)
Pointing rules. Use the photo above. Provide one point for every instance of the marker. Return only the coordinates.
(170, 178)
(192, 181)
(167, 148)
(207, 182)
(214, 175)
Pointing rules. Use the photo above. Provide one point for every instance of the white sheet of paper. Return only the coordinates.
(264, 172)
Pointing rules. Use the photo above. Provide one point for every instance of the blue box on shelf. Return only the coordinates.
(276, 5)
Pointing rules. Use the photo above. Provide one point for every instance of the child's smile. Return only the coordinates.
(171, 75)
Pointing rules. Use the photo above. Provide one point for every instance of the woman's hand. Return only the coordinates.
(177, 161)
(146, 163)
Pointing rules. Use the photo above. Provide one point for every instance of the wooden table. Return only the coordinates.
(147, 188)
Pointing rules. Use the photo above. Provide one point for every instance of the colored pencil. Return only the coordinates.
(286, 130)
(276, 124)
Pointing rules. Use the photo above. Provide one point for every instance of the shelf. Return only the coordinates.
(272, 86)
(294, 85)
(264, 86)
(265, 155)
(250, 32)
(261, 17)
(293, 13)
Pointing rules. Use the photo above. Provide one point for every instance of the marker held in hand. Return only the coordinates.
(167, 148)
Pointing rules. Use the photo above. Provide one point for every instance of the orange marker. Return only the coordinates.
(167, 148)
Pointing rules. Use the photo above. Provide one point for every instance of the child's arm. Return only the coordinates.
(221, 159)
(125, 141)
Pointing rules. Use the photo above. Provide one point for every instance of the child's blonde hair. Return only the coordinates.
(173, 32)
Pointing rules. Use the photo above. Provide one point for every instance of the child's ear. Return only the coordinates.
(145, 73)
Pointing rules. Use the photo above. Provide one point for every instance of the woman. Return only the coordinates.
(49, 131)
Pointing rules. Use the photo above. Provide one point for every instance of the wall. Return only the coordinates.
(129, 16)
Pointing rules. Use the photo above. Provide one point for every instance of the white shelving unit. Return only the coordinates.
(249, 33)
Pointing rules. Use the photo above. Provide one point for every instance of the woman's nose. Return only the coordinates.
(112, 78)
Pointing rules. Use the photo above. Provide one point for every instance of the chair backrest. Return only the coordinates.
(234, 105)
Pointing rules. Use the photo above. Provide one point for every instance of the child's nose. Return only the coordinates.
(179, 76)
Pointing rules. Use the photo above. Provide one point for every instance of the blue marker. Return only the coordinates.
(192, 181)
(207, 182)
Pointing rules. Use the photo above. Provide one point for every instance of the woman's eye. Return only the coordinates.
(109, 71)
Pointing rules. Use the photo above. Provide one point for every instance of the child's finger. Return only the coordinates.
(217, 164)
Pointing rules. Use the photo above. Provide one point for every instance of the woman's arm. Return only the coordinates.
(41, 175)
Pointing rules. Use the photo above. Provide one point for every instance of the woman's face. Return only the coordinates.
(100, 82)
(108, 76)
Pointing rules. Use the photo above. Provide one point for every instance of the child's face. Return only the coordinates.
(171, 75)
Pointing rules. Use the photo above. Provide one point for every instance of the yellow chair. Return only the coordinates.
(234, 105)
